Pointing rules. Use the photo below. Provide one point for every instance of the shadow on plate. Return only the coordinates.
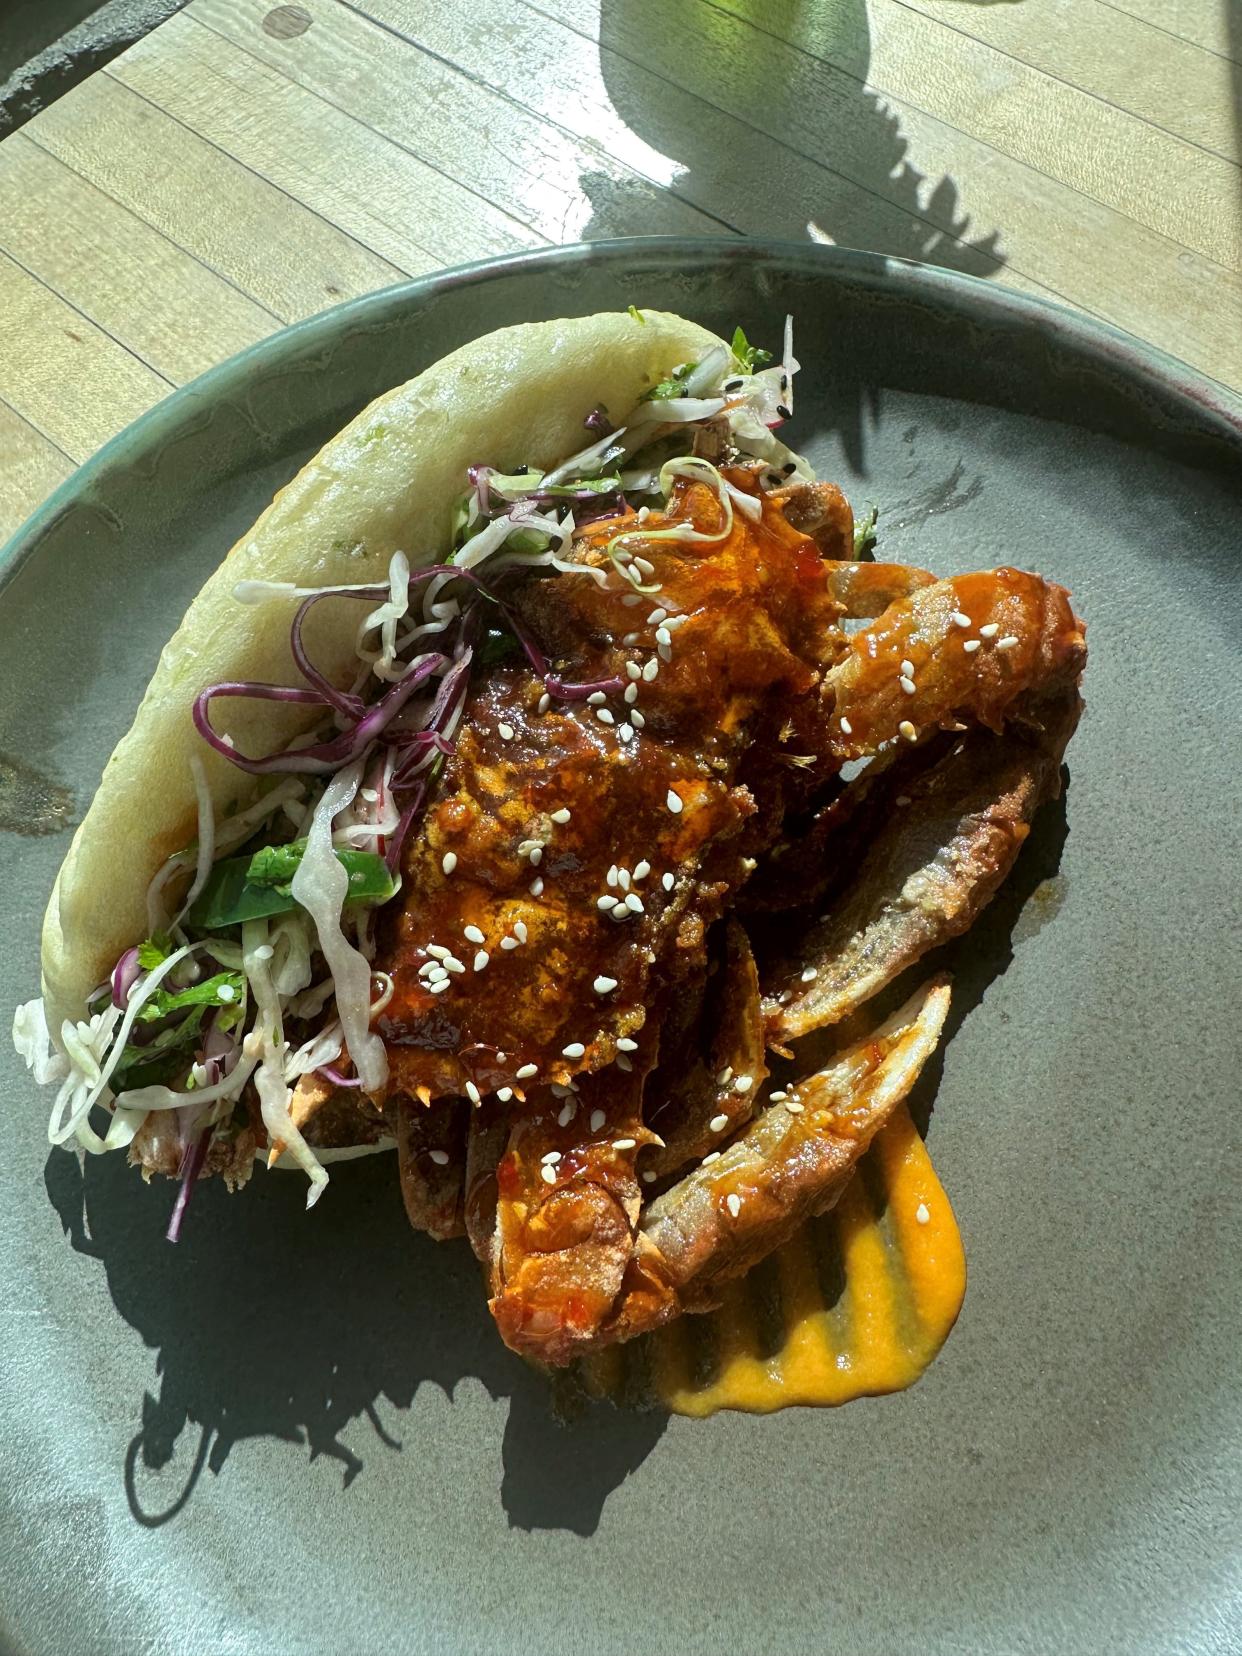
(268, 1324)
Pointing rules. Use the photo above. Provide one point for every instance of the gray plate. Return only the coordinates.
(301, 1434)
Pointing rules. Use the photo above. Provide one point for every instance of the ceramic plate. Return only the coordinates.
(302, 1434)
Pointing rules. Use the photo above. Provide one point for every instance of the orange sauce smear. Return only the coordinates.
(779, 1339)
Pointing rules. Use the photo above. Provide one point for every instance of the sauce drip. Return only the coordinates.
(857, 1304)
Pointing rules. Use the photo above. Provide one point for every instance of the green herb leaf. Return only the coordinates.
(155, 951)
(254, 887)
(161, 1059)
(750, 356)
(864, 532)
(223, 989)
(674, 386)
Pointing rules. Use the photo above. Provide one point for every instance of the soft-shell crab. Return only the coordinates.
(579, 1034)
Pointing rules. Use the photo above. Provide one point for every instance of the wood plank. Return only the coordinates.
(1046, 125)
(61, 373)
(749, 179)
(287, 258)
(1070, 243)
(156, 300)
(561, 188)
(30, 468)
(383, 197)
(1206, 23)
(1173, 83)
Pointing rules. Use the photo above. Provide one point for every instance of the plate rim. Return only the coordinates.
(1138, 360)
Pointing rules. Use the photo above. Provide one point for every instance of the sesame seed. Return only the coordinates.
(623, 878)
(624, 1144)
(637, 720)
(536, 886)
(604, 716)
(907, 684)
(649, 1176)
(597, 1120)
(960, 620)
(438, 951)
(520, 931)
(847, 728)
(548, 1174)
(778, 1097)
(562, 815)
(634, 903)
(794, 1108)
(435, 973)
(990, 630)
(448, 862)
(575, 1049)
(718, 1123)
(650, 669)
(633, 670)
(725, 1076)
(508, 943)
(673, 801)
(630, 638)
(440, 1157)
(643, 564)
(441, 986)
(606, 903)
(663, 636)
(743, 1084)
(625, 1044)
(504, 1094)
(505, 732)
(625, 733)
(712, 1156)
(903, 799)
(665, 651)
(734, 1203)
(642, 869)
(500, 1056)
(907, 668)
(675, 621)
(566, 1113)
(970, 646)
(472, 934)
(369, 794)
(921, 1213)
(473, 1094)
(536, 856)
(906, 729)
(454, 965)
(612, 876)
(545, 701)
(559, 1091)
(630, 694)
(668, 881)
(604, 985)
(657, 615)
(597, 698)
(630, 599)
(1009, 642)
(810, 974)
(550, 1158)
(623, 1063)
(785, 413)
(526, 1071)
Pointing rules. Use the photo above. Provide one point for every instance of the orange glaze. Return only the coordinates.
(903, 1284)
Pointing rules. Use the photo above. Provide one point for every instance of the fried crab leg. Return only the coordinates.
(934, 863)
(791, 1163)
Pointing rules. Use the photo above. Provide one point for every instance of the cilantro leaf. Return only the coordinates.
(226, 989)
(155, 951)
(750, 356)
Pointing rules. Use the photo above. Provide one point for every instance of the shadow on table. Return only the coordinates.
(268, 1324)
(751, 74)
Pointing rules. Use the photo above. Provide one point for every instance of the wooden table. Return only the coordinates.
(244, 166)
